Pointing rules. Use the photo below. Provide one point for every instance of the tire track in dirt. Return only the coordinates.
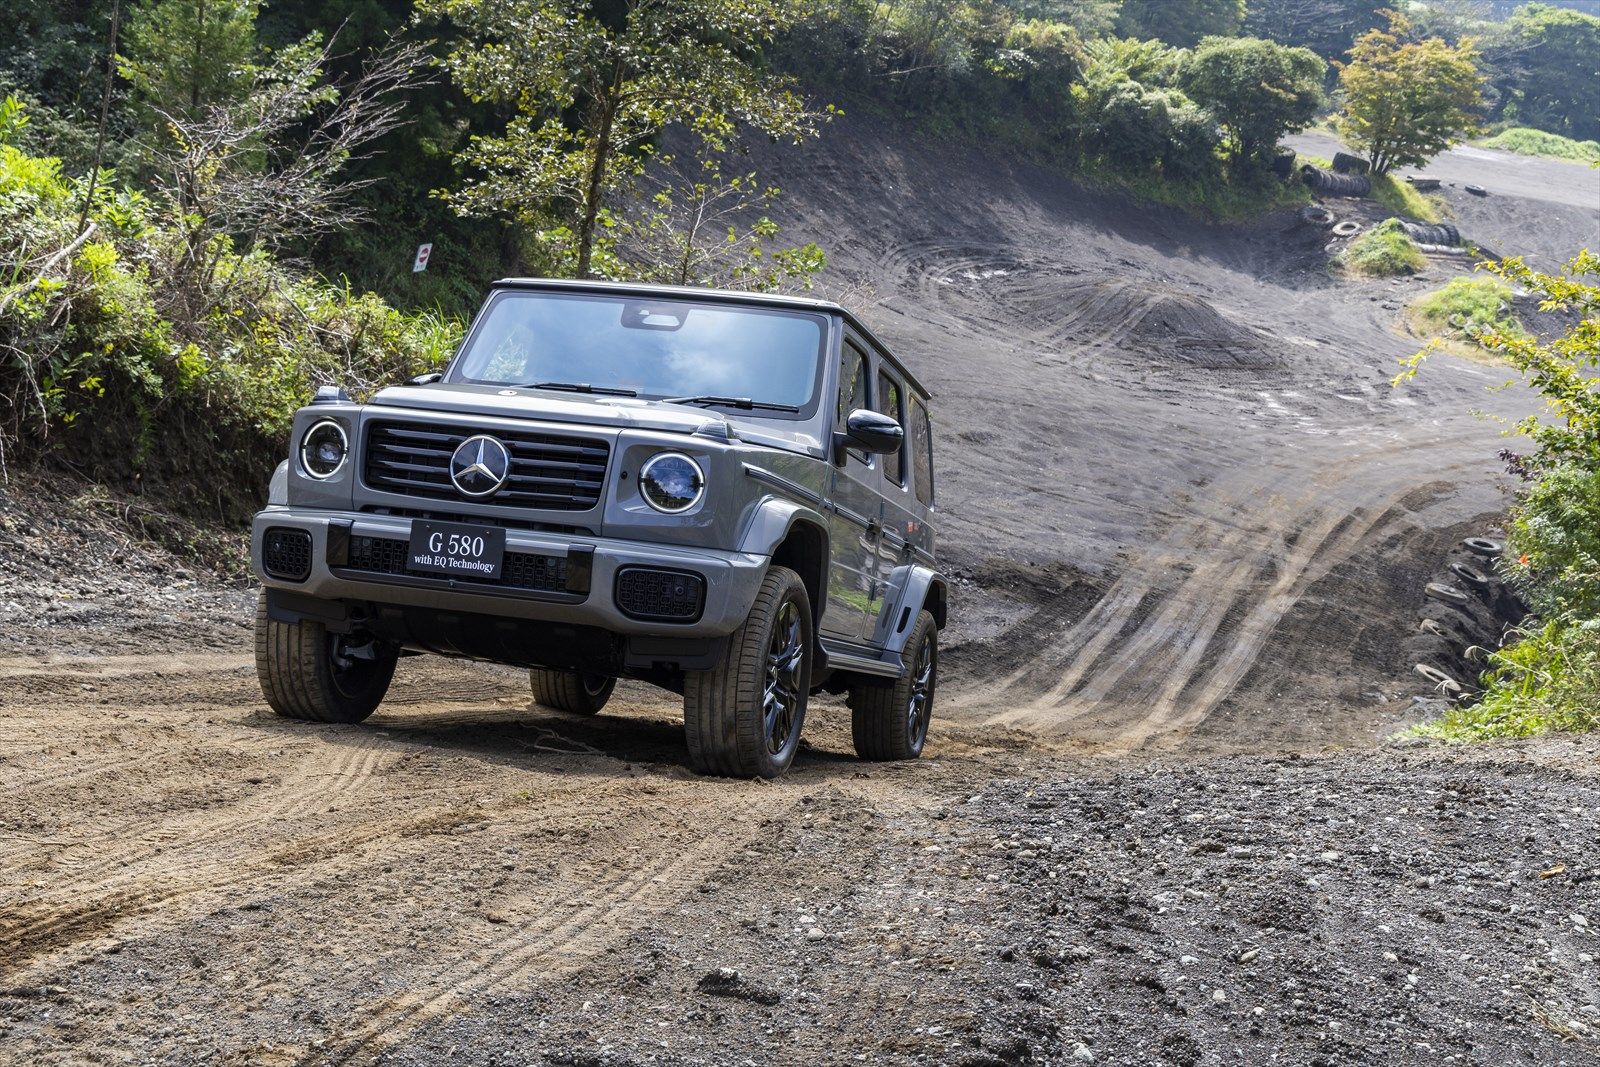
(1157, 654)
(593, 906)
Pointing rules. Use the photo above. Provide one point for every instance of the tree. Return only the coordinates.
(699, 227)
(594, 85)
(1557, 84)
(1180, 22)
(1407, 101)
(1327, 27)
(1258, 89)
(183, 55)
(1090, 18)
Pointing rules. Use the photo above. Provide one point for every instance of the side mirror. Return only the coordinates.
(869, 431)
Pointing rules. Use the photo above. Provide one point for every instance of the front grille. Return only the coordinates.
(668, 596)
(521, 570)
(550, 471)
(286, 553)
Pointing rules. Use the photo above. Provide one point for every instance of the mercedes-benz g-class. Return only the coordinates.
(730, 495)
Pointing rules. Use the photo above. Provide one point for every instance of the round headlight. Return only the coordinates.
(672, 482)
(323, 449)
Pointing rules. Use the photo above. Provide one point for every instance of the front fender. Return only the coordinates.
(772, 521)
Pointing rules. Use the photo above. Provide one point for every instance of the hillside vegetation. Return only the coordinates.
(1528, 142)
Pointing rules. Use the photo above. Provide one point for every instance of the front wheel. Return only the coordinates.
(574, 692)
(890, 721)
(742, 718)
(307, 672)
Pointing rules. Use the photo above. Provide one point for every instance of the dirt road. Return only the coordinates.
(187, 879)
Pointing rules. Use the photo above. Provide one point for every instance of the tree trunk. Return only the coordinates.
(105, 114)
(597, 174)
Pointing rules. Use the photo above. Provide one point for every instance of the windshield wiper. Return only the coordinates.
(744, 403)
(580, 387)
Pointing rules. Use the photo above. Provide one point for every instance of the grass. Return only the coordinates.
(1463, 310)
(1215, 198)
(1382, 252)
(1528, 142)
(1547, 682)
(1399, 197)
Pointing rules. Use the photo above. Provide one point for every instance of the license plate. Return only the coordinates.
(459, 549)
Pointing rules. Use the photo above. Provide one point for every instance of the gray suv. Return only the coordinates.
(726, 494)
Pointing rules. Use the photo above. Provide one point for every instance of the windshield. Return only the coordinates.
(655, 348)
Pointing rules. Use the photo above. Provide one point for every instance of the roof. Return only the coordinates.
(720, 296)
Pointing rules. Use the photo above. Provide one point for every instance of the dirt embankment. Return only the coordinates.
(1191, 525)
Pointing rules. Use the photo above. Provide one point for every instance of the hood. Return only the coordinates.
(504, 402)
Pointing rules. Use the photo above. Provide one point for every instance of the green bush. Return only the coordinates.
(1467, 309)
(106, 355)
(1530, 142)
(1382, 251)
(1549, 680)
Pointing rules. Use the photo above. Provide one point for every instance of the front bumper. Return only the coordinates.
(732, 579)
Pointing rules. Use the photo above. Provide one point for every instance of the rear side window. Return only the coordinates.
(852, 382)
(922, 452)
(890, 404)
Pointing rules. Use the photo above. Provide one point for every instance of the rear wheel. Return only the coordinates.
(575, 692)
(889, 721)
(743, 717)
(310, 673)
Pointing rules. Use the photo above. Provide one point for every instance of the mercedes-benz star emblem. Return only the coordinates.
(480, 466)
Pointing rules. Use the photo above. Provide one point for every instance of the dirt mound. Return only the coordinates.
(1180, 327)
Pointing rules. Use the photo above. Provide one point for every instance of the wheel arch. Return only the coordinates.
(794, 536)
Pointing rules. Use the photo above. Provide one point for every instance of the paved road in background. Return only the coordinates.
(1501, 173)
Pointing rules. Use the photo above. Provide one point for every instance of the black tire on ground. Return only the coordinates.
(889, 721)
(1484, 546)
(575, 692)
(742, 718)
(1345, 163)
(311, 674)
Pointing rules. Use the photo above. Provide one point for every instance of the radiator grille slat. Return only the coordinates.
(554, 472)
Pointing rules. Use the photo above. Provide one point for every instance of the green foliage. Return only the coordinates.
(1529, 142)
(1548, 680)
(1551, 679)
(181, 56)
(1180, 22)
(593, 88)
(1258, 89)
(98, 349)
(1382, 251)
(1406, 101)
(1399, 197)
(1465, 309)
(1327, 27)
(1554, 85)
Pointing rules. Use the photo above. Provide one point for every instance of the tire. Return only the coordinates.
(310, 674)
(890, 721)
(742, 718)
(1440, 681)
(574, 692)
(1347, 228)
(1447, 593)
(1469, 574)
(1484, 546)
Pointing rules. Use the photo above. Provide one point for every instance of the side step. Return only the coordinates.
(860, 660)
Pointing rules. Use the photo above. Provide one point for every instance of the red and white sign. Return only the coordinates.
(421, 262)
